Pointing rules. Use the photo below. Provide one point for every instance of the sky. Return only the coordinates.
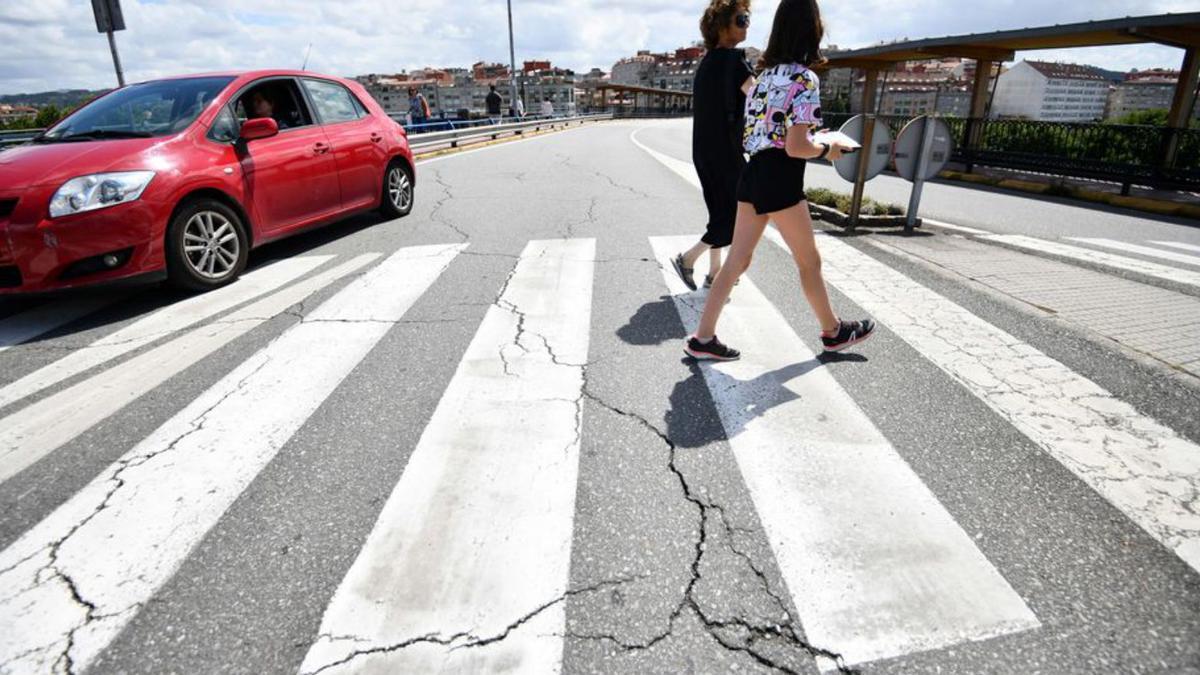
(53, 44)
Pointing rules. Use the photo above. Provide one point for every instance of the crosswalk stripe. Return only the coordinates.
(876, 565)
(29, 324)
(1179, 245)
(474, 542)
(74, 580)
(1147, 268)
(1140, 250)
(1141, 467)
(41, 428)
(161, 323)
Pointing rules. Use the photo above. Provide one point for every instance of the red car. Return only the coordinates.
(181, 177)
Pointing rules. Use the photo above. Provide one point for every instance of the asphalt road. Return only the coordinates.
(478, 447)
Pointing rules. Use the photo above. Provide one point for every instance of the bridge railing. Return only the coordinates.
(16, 137)
(1125, 154)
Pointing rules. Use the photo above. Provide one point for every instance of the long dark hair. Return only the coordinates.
(795, 36)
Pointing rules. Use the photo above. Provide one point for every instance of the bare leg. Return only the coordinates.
(714, 262)
(693, 254)
(795, 225)
(746, 233)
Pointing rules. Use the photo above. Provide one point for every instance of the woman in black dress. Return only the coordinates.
(718, 99)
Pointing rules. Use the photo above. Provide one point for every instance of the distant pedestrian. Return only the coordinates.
(719, 94)
(418, 107)
(521, 105)
(547, 108)
(494, 102)
(782, 111)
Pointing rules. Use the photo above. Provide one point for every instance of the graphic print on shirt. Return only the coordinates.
(784, 96)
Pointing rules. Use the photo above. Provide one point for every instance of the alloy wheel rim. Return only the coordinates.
(210, 245)
(399, 188)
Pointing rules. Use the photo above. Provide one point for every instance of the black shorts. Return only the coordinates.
(772, 181)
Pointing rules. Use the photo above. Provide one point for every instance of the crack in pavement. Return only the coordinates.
(439, 205)
(785, 630)
(466, 639)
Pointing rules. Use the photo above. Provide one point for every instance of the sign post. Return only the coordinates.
(922, 150)
(109, 19)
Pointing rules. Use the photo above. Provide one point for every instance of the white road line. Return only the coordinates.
(950, 226)
(875, 564)
(36, 430)
(1098, 257)
(160, 324)
(1144, 469)
(73, 581)
(1140, 250)
(685, 169)
(1179, 245)
(477, 533)
(34, 322)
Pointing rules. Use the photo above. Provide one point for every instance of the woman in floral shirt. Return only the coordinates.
(782, 111)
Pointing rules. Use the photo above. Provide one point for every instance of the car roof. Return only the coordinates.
(250, 75)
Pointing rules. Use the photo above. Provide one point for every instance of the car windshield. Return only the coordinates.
(141, 110)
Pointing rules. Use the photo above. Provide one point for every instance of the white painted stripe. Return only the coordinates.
(949, 226)
(685, 170)
(160, 324)
(34, 322)
(1098, 257)
(36, 430)
(876, 565)
(117, 541)
(1144, 469)
(1179, 245)
(477, 533)
(1140, 250)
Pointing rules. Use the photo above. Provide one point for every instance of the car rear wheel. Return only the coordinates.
(207, 246)
(397, 191)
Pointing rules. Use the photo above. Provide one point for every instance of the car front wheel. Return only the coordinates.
(207, 246)
(397, 191)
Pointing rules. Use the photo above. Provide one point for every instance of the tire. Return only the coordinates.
(398, 191)
(219, 246)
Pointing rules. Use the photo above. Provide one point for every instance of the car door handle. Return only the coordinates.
(320, 148)
(376, 137)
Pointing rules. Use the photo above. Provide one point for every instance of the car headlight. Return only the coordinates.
(98, 191)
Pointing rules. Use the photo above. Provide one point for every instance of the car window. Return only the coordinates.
(225, 128)
(155, 108)
(333, 101)
(277, 99)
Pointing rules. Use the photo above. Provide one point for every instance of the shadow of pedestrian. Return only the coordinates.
(653, 324)
(691, 419)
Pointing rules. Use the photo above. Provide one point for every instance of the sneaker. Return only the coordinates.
(708, 279)
(713, 350)
(849, 334)
(685, 273)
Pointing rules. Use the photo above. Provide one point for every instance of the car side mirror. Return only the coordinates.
(259, 127)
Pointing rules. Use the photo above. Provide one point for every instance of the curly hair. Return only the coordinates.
(719, 14)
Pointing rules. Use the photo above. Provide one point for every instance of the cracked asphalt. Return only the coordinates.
(671, 570)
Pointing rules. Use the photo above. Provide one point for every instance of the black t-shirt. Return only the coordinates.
(493, 103)
(719, 103)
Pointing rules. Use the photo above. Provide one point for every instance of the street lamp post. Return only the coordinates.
(512, 60)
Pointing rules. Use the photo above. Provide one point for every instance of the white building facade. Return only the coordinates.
(1051, 92)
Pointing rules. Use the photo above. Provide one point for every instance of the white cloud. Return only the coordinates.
(53, 44)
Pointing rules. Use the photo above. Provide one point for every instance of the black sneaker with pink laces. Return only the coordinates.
(848, 334)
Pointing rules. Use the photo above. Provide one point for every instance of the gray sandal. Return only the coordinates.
(685, 273)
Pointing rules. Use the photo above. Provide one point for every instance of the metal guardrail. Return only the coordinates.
(1128, 155)
(17, 137)
(454, 137)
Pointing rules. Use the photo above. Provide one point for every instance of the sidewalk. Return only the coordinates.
(1161, 324)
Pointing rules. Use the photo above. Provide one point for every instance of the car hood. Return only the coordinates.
(36, 164)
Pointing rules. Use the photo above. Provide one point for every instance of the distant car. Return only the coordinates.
(181, 177)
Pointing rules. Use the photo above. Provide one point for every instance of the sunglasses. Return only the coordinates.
(742, 21)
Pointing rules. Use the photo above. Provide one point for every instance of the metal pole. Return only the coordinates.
(512, 60)
(926, 147)
(112, 46)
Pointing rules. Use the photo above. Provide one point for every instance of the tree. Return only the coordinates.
(48, 116)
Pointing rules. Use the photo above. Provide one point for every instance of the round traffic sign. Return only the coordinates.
(908, 148)
(877, 156)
